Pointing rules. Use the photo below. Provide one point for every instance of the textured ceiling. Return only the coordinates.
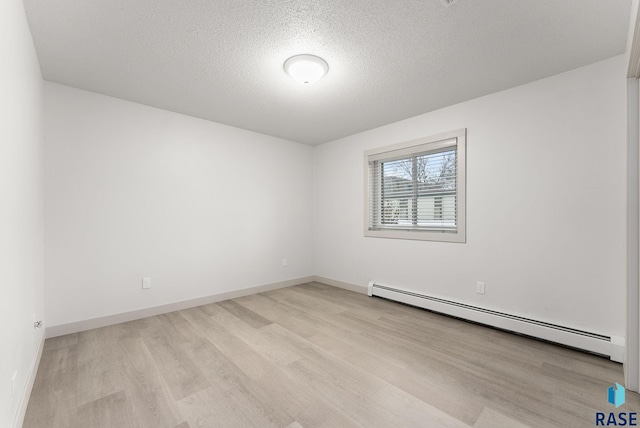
(222, 60)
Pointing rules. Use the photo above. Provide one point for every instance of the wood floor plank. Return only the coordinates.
(258, 339)
(370, 402)
(266, 381)
(106, 412)
(220, 370)
(53, 401)
(149, 401)
(453, 400)
(61, 342)
(98, 376)
(250, 317)
(314, 356)
(231, 409)
(489, 418)
(283, 315)
(178, 371)
(462, 351)
(306, 302)
(243, 356)
(369, 338)
(295, 319)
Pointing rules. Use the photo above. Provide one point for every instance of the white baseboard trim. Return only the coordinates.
(615, 348)
(74, 327)
(18, 420)
(362, 289)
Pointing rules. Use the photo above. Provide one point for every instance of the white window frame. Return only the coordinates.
(421, 145)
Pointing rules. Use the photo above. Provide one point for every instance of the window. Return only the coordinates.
(416, 190)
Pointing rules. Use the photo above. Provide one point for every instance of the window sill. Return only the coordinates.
(418, 235)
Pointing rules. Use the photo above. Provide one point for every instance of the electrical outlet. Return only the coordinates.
(146, 283)
(480, 287)
(13, 383)
(284, 262)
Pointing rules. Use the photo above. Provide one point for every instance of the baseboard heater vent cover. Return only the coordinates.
(612, 347)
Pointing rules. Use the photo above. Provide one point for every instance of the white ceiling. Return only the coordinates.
(222, 60)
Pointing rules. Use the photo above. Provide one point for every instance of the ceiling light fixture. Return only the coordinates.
(306, 68)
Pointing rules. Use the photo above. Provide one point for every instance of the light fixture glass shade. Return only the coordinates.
(305, 68)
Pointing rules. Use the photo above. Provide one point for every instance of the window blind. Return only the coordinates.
(414, 189)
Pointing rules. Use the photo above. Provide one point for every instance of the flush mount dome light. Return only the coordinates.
(305, 68)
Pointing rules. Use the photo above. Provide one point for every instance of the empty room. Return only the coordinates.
(420, 213)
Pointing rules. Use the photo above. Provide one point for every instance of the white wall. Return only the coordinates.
(133, 191)
(545, 203)
(21, 206)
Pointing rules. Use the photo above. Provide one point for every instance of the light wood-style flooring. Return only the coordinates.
(315, 355)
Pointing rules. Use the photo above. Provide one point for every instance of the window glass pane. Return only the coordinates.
(397, 191)
(436, 184)
(419, 191)
(416, 190)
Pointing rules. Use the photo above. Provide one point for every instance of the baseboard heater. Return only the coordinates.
(612, 347)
